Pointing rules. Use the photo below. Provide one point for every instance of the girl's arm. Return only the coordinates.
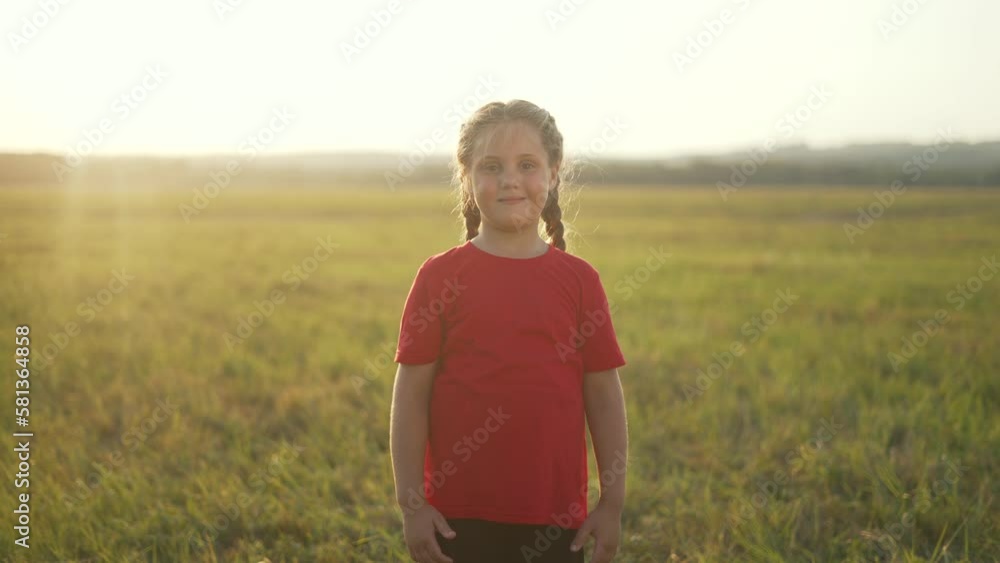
(407, 441)
(408, 432)
(605, 406)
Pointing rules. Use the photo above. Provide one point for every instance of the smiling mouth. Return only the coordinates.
(512, 199)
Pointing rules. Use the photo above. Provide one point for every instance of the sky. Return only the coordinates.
(622, 79)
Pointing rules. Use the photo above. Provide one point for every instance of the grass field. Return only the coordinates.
(166, 431)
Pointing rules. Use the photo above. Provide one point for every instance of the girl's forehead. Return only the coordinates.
(510, 136)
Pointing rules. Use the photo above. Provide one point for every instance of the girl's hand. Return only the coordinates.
(605, 524)
(418, 532)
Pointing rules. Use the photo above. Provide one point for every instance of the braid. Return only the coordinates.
(552, 215)
(472, 218)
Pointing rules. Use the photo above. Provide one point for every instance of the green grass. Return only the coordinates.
(229, 445)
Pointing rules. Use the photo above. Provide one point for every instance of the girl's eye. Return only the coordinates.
(490, 167)
(527, 165)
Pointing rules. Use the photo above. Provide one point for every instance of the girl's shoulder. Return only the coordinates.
(577, 264)
(442, 259)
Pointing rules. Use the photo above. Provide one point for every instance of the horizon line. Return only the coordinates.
(447, 155)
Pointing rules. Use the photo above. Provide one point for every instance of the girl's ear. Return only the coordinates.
(554, 175)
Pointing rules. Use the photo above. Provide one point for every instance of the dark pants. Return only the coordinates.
(483, 541)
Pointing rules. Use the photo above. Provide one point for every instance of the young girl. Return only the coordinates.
(506, 344)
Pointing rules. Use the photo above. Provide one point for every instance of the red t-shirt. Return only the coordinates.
(514, 337)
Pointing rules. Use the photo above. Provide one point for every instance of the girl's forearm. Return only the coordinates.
(604, 402)
(407, 443)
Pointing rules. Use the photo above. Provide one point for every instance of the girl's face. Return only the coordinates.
(511, 176)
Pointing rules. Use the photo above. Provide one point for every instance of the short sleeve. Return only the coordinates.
(600, 350)
(419, 328)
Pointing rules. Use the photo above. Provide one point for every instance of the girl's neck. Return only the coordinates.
(524, 244)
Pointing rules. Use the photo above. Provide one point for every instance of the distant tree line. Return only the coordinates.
(958, 164)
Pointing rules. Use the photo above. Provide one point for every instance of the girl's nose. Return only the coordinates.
(509, 178)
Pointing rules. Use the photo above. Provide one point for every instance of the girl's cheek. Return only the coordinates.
(484, 186)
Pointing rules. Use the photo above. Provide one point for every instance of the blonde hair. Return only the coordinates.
(495, 113)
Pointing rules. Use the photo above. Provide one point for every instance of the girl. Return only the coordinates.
(505, 345)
